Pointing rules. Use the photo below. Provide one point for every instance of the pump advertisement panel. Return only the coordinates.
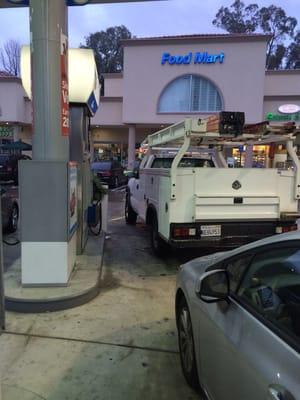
(65, 113)
(72, 197)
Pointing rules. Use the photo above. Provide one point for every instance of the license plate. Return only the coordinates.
(211, 230)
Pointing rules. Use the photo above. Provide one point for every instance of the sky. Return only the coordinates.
(153, 18)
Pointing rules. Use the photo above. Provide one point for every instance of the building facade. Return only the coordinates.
(167, 79)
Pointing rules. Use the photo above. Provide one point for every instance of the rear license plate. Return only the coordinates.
(211, 230)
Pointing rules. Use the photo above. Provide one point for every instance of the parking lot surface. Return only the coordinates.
(121, 345)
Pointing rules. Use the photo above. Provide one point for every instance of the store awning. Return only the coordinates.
(19, 145)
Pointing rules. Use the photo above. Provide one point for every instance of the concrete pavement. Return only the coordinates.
(121, 345)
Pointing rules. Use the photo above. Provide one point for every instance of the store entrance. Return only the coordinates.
(111, 151)
(259, 157)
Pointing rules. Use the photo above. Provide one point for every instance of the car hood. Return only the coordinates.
(201, 263)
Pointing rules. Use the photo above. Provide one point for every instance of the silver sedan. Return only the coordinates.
(238, 321)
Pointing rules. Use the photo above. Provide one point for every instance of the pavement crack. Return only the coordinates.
(25, 390)
(87, 341)
(130, 351)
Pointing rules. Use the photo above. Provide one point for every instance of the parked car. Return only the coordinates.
(9, 166)
(9, 209)
(110, 172)
(238, 321)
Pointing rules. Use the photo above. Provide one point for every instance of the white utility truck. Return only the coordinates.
(189, 197)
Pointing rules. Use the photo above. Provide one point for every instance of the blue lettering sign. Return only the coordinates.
(165, 58)
(196, 58)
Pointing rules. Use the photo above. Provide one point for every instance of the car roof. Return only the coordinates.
(186, 157)
(295, 235)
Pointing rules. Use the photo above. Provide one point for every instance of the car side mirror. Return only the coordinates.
(214, 286)
(136, 174)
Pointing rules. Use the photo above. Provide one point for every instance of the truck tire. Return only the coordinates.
(13, 220)
(158, 245)
(130, 214)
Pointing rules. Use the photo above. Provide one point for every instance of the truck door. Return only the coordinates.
(137, 189)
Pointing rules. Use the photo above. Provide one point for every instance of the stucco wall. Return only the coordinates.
(282, 83)
(12, 102)
(113, 85)
(240, 78)
(109, 113)
(117, 135)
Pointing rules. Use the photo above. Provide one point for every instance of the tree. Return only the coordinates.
(10, 57)
(107, 48)
(276, 58)
(237, 18)
(274, 21)
(270, 20)
(293, 53)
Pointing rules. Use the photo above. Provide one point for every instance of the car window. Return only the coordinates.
(236, 269)
(3, 158)
(272, 287)
(184, 163)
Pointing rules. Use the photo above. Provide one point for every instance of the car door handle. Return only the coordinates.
(277, 392)
(137, 186)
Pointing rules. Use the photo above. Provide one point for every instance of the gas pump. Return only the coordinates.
(67, 192)
(80, 151)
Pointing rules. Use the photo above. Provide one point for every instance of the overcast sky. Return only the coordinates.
(170, 17)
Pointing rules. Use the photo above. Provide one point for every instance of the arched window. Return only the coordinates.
(190, 93)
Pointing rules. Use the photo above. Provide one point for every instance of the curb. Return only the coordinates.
(59, 303)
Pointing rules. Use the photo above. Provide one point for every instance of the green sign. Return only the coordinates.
(6, 131)
(282, 117)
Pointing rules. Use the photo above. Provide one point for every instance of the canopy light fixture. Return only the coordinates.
(68, 2)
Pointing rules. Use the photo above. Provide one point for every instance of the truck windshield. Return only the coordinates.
(184, 163)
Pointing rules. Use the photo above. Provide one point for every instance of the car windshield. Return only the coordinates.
(184, 163)
(101, 165)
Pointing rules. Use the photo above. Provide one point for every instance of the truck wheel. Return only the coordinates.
(130, 214)
(158, 246)
(13, 220)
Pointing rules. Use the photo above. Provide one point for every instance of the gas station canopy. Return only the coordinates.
(24, 3)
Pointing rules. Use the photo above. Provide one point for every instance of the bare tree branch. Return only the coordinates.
(10, 57)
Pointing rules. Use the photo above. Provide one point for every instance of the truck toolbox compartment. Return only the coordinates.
(208, 208)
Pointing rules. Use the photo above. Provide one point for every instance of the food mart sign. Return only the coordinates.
(192, 58)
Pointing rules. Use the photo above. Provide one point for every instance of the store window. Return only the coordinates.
(190, 93)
